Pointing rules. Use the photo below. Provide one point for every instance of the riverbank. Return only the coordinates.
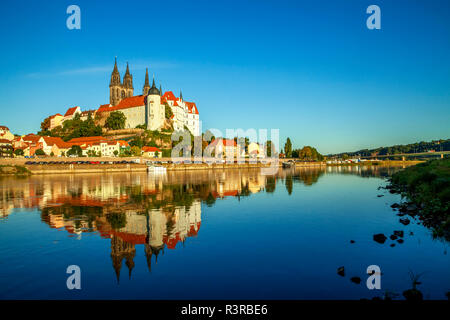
(16, 170)
(426, 187)
(109, 165)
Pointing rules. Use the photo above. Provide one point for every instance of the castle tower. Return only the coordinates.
(146, 84)
(115, 86)
(155, 112)
(128, 83)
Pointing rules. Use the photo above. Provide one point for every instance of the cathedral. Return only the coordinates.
(118, 90)
(147, 109)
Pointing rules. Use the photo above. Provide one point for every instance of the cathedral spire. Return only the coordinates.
(160, 90)
(146, 83)
(181, 95)
(115, 65)
(128, 69)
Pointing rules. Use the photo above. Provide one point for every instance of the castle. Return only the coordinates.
(146, 109)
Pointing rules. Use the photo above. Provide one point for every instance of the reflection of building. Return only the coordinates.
(131, 210)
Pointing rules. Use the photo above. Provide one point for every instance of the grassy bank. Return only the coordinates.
(427, 188)
(14, 170)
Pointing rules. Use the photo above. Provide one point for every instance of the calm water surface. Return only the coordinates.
(211, 235)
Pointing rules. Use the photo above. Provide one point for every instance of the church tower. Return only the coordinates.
(146, 84)
(128, 83)
(115, 86)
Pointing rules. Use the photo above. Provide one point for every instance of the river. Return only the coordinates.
(217, 234)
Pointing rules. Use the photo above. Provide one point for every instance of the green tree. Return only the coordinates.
(75, 151)
(168, 111)
(116, 153)
(270, 149)
(39, 152)
(288, 148)
(18, 152)
(45, 125)
(117, 220)
(135, 151)
(115, 121)
(309, 153)
(137, 142)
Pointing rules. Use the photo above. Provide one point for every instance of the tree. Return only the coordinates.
(116, 153)
(39, 152)
(270, 148)
(168, 111)
(117, 220)
(156, 154)
(288, 148)
(116, 120)
(45, 125)
(136, 151)
(75, 151)
(309, 153)
(136, 142)
(18, 152)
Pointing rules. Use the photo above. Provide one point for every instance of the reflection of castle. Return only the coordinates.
(155, 230)
(157, 212)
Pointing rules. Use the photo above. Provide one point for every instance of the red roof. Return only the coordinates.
(104, 107)
(123, 143)
(4, 141)
(4, 128)
(192, 108)
(55, 115)
(150, 149)
(71, 111)
(50, 141)
(225, 142)
(31, 138)
(126, 103)
(168, 95)
(86, 140)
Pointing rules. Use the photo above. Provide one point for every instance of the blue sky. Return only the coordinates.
(309, 68)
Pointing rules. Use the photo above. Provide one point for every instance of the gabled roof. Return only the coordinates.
(103, 107)
(123, 143)
(87, 139)
(168, 95)
(225, 142)
(55, 115)
(50, 141)
(31, 138)
(126, 103)
(150, 149)
(71, 111)
(192, 108)
(4, 128)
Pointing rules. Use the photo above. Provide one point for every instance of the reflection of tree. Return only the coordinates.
(245, 190)
(117, 220)
(210, 200)
(270, 184)
(288, 182)
(309, 177)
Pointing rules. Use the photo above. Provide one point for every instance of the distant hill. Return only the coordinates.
(436, 145)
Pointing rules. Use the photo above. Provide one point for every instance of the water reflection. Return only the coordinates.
(156, 211)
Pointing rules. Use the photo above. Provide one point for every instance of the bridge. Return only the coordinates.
(436, 154)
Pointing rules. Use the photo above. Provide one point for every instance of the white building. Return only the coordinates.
(5, 134)
(184, 113)
(140, 110)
